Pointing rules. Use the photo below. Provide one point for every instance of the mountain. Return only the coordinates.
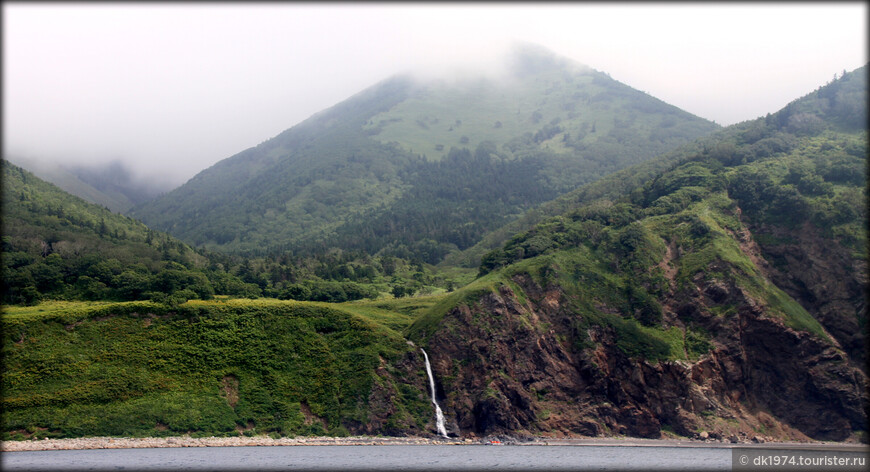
(419, 169)
(722, 296)
(110, 185)
(843, 108)
(716, 292)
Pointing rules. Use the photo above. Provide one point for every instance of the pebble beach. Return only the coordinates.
(235, 441)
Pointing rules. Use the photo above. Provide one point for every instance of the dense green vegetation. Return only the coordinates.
(419, 170)
(218, 367)
(339, 276)
(57, 246)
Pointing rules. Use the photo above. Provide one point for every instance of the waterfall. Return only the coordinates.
(439, 415)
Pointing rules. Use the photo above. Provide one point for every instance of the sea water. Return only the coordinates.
(386, 458)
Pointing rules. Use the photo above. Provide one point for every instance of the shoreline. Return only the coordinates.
(242, 441)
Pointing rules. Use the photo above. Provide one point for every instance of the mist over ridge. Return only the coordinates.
(424, 168)
(172, 89)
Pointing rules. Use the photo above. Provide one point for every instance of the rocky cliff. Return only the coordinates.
(530, 370)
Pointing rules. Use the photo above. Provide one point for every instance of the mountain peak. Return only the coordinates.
(425, 169)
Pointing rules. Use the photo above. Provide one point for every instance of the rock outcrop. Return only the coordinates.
(516, 364)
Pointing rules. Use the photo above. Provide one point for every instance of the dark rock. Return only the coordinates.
(508, 366)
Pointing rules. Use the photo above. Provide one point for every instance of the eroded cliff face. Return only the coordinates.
(397, 400)
(517, 363)
(825, 278)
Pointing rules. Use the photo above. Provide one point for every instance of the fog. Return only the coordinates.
(171, 89)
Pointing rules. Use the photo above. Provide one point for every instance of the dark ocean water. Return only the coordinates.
(381, 458)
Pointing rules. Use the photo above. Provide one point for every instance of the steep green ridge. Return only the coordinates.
(839, 104)
(71, 183)
(206, 368)
(59, 246)
(422, 169)
(742, 246)
(610, 187)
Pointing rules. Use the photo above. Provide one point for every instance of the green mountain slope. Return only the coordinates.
(71, 183)
(111, 185)
(725, 294)
(421, 169)
(839, 104)
(59, 246)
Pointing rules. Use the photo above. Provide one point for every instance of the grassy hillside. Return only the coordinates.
(546, 104)
(213, 366)
(422, 169)
(222, 367)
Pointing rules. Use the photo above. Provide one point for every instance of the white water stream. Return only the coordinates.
(439, 415)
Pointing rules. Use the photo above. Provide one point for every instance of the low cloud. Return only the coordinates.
(172, 89)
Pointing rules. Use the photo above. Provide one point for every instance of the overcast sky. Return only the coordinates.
(172, 89)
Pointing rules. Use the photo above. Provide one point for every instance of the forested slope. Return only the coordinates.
(56, 245)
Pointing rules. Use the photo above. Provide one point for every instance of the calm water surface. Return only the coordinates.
(430, 457)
